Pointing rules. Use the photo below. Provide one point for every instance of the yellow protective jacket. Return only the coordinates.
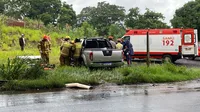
(44, 46)
(119, 46)
(67, 49)
(78, 47)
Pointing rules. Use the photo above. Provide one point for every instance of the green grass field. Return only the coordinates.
(54, 55)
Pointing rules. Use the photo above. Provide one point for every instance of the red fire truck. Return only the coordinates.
(166, 44)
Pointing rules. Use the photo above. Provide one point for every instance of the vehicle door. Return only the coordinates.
(196, 45)
(188, 44)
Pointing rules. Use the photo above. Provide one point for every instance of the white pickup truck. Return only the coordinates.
(98, 52)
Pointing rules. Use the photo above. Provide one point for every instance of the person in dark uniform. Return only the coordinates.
(128, 51)
(22, 42)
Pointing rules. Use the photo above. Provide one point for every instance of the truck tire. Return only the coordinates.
(167, 58)
(82, 62)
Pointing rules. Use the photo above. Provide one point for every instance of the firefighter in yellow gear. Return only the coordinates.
(72, 51)
(66, 51)
(119, 45)
(44, 47)
(77, 52)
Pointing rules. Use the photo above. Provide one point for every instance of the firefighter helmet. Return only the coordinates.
(45, 37)
(67, 37)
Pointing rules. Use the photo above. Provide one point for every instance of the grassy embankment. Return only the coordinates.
(57, 78)
(4, 55)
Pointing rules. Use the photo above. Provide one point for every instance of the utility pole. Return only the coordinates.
(148, 54)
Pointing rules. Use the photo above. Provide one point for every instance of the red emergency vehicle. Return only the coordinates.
(166, 44)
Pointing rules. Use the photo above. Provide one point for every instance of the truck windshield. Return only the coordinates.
(97, 44)
(103, 44)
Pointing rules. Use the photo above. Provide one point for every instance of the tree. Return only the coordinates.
(133, 18)
(2, 6)
(46, 10)
(187, 16)
(16, 8)
(116, 30)
(85, 15)
(149, 19)
(67, 15)
(103, 16)
(88, 30)
(85, 30)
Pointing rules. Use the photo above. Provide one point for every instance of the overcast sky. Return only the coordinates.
(166, 7)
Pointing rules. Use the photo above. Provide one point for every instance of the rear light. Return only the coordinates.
(179, 49)
(91, 56)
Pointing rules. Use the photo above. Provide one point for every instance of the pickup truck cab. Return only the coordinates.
(98, 52)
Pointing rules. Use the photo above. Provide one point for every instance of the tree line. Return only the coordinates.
(106, 18)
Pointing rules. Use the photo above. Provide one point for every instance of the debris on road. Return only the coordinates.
(78, 85)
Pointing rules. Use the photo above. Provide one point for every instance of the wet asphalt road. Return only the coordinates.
(173, 97)
(188, 62)
(185, 62)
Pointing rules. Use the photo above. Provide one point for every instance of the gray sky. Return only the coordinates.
(166, 7)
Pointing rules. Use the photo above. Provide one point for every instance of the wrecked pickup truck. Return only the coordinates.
(98, 52)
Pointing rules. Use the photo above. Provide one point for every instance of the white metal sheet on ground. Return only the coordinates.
(29, 57)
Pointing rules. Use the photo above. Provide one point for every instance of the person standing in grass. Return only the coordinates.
(128, 51)
(77, 52)
(22, 42)
(65, 52)
(44, 47)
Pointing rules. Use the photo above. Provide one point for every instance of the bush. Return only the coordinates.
(21, 69)
(174, 69)
(166, 72)
(34, 71)
(12, 70)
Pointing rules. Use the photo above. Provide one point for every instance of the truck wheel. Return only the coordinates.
(82, 62)
(167, 58)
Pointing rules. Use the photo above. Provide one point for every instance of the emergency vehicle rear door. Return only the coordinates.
(196, 46)
(188, 42)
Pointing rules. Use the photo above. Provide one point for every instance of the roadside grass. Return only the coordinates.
(62, 75)
(158, 73)
(57, 78)
(136, 74)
